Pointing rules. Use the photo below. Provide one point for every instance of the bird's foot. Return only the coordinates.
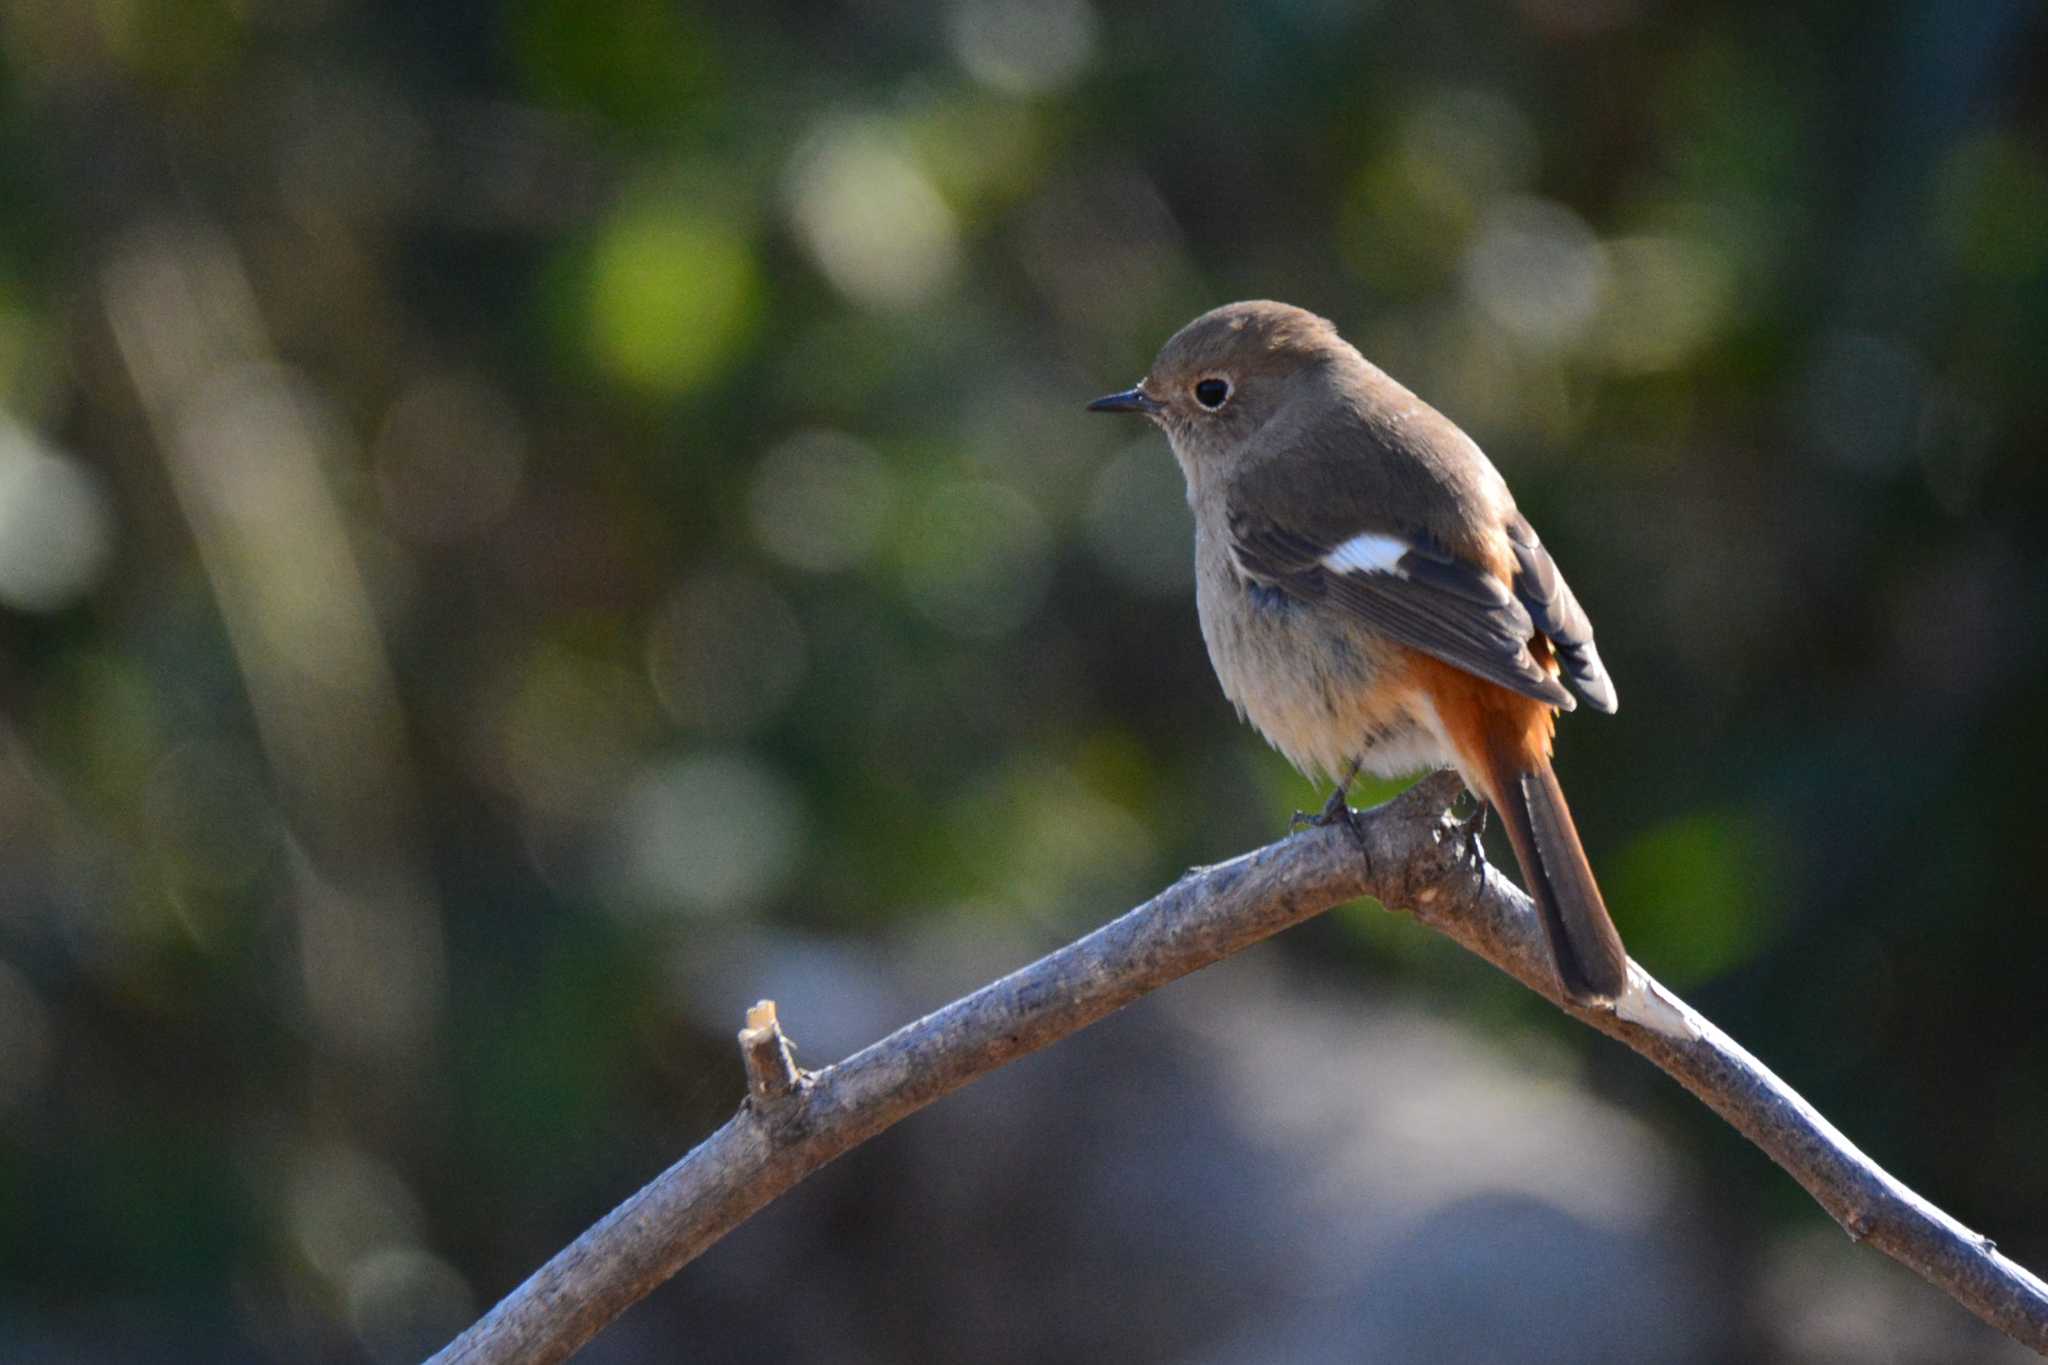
(1470, 828)
(1336, 811)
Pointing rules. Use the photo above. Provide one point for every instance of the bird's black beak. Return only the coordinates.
(1130, 400)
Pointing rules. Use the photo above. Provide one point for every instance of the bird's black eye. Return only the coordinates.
(1210, 393)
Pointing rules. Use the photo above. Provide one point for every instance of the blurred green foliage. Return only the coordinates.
(501, 504)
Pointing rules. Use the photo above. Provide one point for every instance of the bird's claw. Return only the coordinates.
(1336, 811)
(1469, 829)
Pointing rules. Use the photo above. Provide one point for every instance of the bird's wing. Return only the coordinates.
(1557, 613)
(1399, 581)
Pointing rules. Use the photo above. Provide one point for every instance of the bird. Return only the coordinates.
(1373, 600)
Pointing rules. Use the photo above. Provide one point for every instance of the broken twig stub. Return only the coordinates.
(772, 1072)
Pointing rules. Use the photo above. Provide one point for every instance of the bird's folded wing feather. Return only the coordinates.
(1557, 613)
(1411, 590)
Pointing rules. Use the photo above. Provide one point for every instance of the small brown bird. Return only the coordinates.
(1371, 597)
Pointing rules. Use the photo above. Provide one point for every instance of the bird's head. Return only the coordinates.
(1232, 372)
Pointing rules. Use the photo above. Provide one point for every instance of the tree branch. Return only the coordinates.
(793, 1122)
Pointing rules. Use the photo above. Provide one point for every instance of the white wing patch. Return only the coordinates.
(1367, 553)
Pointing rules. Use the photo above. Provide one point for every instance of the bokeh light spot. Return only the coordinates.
(565, 728)
(870, 217)
(977, 558)
(1669, 296)
(404, 1303)
(56, 529)
(674, 294)
(709, 833)
(1105, 251)
(343, 1204)
(1023, 47)
(1412, 209)
(1040, 832)
(820, 501)
(1536, 269)
(1700, 892)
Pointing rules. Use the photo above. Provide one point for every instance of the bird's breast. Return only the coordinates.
(1320, 687)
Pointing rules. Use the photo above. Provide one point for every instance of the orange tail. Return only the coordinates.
(1503, 743)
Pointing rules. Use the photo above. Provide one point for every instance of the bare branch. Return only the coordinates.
(1410, 856)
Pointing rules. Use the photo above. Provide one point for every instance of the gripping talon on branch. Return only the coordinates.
(1471, 827)
(1336, 811)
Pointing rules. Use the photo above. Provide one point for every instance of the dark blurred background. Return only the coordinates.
(526, 527)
